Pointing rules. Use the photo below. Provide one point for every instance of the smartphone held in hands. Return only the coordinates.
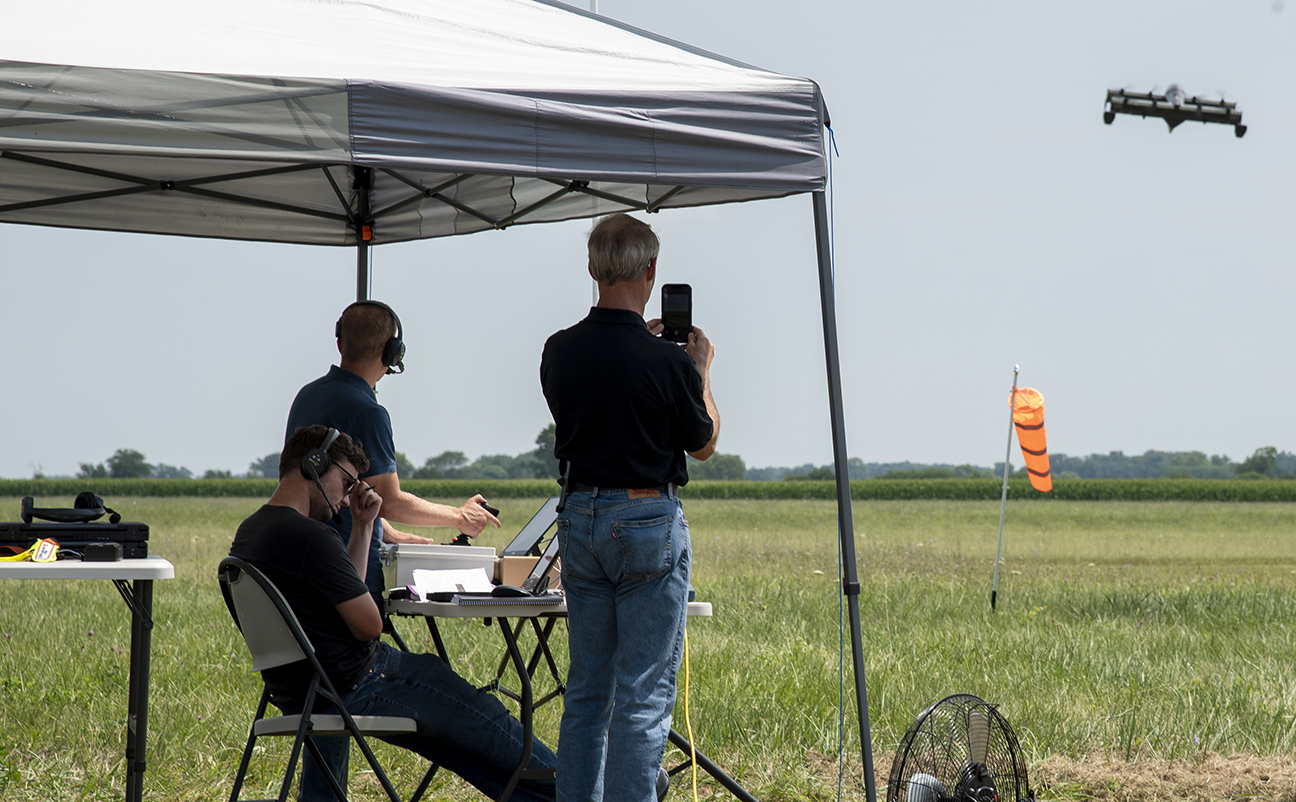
(676, 312)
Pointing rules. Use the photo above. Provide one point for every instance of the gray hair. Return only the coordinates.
(620, 248)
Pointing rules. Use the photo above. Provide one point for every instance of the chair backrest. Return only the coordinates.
(270, 629)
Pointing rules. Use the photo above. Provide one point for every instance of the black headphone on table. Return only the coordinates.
(316, 463)
(86, 507)
(393, 353)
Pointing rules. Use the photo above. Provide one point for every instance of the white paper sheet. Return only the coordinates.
(458, 580)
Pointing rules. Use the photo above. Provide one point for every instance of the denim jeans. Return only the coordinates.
(625, 571)
(463, 729)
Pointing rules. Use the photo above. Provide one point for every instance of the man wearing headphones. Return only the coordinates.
(369, 339)
(463, 728)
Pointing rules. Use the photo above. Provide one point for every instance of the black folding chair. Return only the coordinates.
(275, 638)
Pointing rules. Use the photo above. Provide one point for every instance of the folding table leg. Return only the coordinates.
(704, 763)
(137, 698)
(524, 705)
(389, 628)
(436, 639)
(542, 648)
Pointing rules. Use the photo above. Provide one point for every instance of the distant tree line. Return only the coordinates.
(859, 469)
(127, 463)
(1266, 463)
(540, 463)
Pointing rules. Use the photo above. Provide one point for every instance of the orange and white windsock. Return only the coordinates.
(1028, 418)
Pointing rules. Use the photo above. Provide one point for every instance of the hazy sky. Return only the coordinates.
(985, 216)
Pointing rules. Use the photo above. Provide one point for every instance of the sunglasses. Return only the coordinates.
(352, 481)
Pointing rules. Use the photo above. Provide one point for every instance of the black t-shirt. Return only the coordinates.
(308, 563)
(626, 404)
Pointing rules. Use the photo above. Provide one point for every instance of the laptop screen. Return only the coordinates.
(528, 540)
(539, 580)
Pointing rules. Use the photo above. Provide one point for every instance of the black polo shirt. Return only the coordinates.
(311, 568)
(627, 405)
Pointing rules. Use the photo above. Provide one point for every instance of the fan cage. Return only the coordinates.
(937, 744)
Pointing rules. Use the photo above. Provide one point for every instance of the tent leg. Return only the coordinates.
(362, 271)
(846, 526)
(363, 184)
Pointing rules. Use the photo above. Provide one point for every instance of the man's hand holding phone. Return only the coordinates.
(701, 349)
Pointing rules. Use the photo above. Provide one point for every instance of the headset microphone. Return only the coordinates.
(336, 519)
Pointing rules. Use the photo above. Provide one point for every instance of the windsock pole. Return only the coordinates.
(1003, 496)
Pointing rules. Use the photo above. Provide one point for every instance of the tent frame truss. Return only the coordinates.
(356, 214)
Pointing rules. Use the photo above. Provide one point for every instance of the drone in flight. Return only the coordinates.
(1174, 108)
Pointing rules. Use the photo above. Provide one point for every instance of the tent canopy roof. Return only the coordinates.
(495, 44)
(255, 119)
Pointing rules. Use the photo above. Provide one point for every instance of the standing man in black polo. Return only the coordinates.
(627, 406)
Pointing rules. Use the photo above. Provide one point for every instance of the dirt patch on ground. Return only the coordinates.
(1205, 778)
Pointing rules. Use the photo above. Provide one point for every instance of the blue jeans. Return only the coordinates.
(625, 571)
(463, 729)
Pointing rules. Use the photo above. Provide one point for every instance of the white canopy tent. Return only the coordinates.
(352, 122)
(171, 119)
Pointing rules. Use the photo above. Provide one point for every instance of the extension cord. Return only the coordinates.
(688, 725)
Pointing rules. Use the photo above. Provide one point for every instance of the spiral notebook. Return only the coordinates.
(547, 600)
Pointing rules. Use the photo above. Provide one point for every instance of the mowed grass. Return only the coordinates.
(1127, 629)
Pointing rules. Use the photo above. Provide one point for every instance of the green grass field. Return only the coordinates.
(1131, 631)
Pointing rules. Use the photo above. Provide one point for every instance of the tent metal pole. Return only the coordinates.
(362, 271)
(363, 184)
(846, 526)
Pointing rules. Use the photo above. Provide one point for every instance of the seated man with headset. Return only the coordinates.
(370, 340)
(465, 729)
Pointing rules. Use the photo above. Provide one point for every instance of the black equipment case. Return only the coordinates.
(132, 535)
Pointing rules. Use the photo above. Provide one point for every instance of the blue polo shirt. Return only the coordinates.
(342, 400)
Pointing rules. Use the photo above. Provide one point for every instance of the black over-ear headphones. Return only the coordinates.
(317, 461)
(393, 353)
(86, 508)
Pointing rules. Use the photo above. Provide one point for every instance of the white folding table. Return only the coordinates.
(502, 610)
(134, 581)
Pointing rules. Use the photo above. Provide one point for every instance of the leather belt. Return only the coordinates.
(581, 487)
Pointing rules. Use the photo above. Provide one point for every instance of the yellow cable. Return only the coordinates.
(688, 725)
